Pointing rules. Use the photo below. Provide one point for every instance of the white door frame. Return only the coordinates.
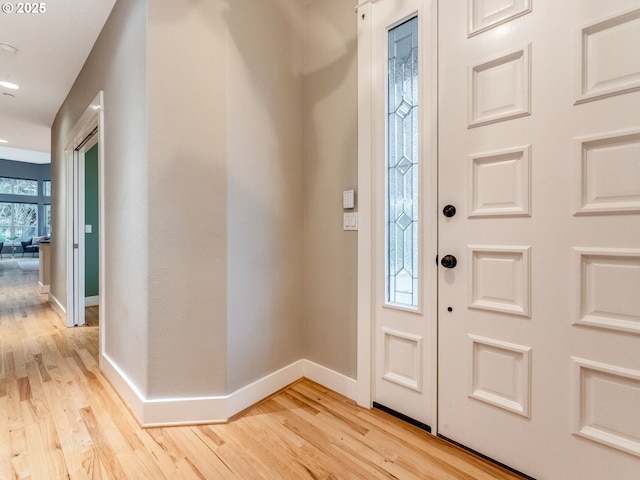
(364, 375)
(92, 118)
(366, 260)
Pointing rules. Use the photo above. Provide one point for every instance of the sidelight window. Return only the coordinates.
(402, 163)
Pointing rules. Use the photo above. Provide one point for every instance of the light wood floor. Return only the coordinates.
(59, 419)
(92, 316)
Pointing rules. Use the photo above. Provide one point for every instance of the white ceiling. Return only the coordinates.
(52, 48)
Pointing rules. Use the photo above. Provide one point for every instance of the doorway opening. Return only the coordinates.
(85, 219)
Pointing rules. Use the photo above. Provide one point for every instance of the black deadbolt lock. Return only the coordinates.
(449, 211)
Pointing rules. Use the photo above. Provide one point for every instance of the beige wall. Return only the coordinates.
(187, 244)
(264, 181)
(330, 150)
(230, 135)
(115, 65)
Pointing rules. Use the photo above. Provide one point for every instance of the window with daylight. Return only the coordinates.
(402, 199)
(18, 221)
(46, 188)
(18, 186)
(47, 220)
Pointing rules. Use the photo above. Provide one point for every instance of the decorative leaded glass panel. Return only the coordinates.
(402, 166)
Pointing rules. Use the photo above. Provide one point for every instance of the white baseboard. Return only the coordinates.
(260, 389)
(42, 288)
(58, 306)
(123, 386)
(92, 301)
(331, 379)
(219, 409)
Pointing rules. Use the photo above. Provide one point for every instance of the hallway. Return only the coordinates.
(61, 419)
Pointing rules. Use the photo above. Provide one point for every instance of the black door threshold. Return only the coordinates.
(403, 417)
(489, 459)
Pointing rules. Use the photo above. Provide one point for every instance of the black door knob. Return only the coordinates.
(448, 261)
(449, 211)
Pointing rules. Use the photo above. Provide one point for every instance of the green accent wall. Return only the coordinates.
(91, 217)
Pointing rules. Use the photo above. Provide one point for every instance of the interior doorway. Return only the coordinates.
(85, 246)
(91, 223)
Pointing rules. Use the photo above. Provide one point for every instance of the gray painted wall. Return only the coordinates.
(331, 160)
(116, 65)
(187, 244)
(265, 188)
(217, 138)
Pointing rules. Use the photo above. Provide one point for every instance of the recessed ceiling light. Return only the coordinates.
(10, 85)
(7, 47)
(3, 141)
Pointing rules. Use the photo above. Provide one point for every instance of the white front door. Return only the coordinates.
(539, 152)
(403, 220)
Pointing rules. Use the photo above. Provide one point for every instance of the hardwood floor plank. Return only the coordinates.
(200, 457)
(45, 457)
(312, 462)
(92, 316)
(333, 463)
(5, 438)
(187, 470)
(19, 453)
(330, 442)
(106, 454)
(24, 388)
(231, 456)
(9, 370)
(290, 462)
(75, 442)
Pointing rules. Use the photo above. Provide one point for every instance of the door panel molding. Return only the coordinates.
(605, 286)
(607, 173)
(500, 87)
(500, 374)
(603, 66)
(597, 386)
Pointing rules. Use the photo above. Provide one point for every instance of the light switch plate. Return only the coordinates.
(350, 221)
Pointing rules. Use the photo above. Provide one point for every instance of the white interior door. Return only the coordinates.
(404, 226)
(539, 321)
